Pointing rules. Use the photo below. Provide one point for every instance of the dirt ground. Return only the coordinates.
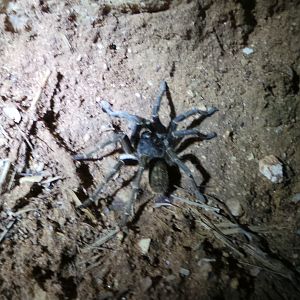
(59, 59)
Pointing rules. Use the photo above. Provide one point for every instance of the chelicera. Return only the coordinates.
(152, 145)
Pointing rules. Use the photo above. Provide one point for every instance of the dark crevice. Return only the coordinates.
(69, 284)
(28, 150)
(34, 192)
(295, 82)
(249, 18)
(50, 117)
(69, 287)
(44, 6)
(41, 275)
(85, 176)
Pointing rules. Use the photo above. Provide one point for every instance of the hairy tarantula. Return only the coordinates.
(151, 145)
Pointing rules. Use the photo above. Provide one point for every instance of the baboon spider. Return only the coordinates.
(151, 145)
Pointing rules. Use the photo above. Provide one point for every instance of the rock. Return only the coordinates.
(254, 271)
(234, 283)
(205, 267)
(146, 283)
(296, 198)
(144, 245)
(250, 156)
(248, 50)
(12, 112)
(271, 168)
(184, 272)
(235, 207)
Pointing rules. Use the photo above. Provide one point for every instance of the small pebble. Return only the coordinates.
(271, 168)
(235, 207)
(234, 283)
(12, 112)
(250, 156)
(248, 50)
(184, 272)
(255, 271)
(146, 283)
(296, 198)
(144, 245)
(205, 267)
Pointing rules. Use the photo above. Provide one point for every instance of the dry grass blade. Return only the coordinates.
(272, 264)
(220, 235)
(103, 239)
(13, 221)
(4, 168)
(193, 203)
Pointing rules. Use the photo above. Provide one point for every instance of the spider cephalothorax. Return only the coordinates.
(152, 145)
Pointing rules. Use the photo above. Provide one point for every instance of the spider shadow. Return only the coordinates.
(171, 103)
(196, 162)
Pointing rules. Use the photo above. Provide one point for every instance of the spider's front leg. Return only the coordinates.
(127, 147)
(156, 107)
(129, 210)
(106, 107)
(119, 137)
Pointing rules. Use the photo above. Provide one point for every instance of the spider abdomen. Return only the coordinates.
(159, 176)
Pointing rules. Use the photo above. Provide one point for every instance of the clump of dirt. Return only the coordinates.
(59, 60)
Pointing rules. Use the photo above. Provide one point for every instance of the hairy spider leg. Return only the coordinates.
(94, 197)
(189, 113)
(122, 114)
(119, 137)
(134, 193)
(156, 107)
(127, 147)
(175, 159)
(194, 132)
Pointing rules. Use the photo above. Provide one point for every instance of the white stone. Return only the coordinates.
(296, 198)
(12, 112)
(144, 245)
(271, 168)
(248, 51)
(234, 207)
(184, 272)
(250, 156)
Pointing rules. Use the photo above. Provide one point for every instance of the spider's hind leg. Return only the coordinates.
(95, 196)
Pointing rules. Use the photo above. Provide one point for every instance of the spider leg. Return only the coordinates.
(106, 107)
(175, 159)
(94, 197)
(194, 132)
(134, 193)
(162, 90)
(120, 137)
(189, 113)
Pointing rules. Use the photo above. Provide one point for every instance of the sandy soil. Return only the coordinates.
(59, 59)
